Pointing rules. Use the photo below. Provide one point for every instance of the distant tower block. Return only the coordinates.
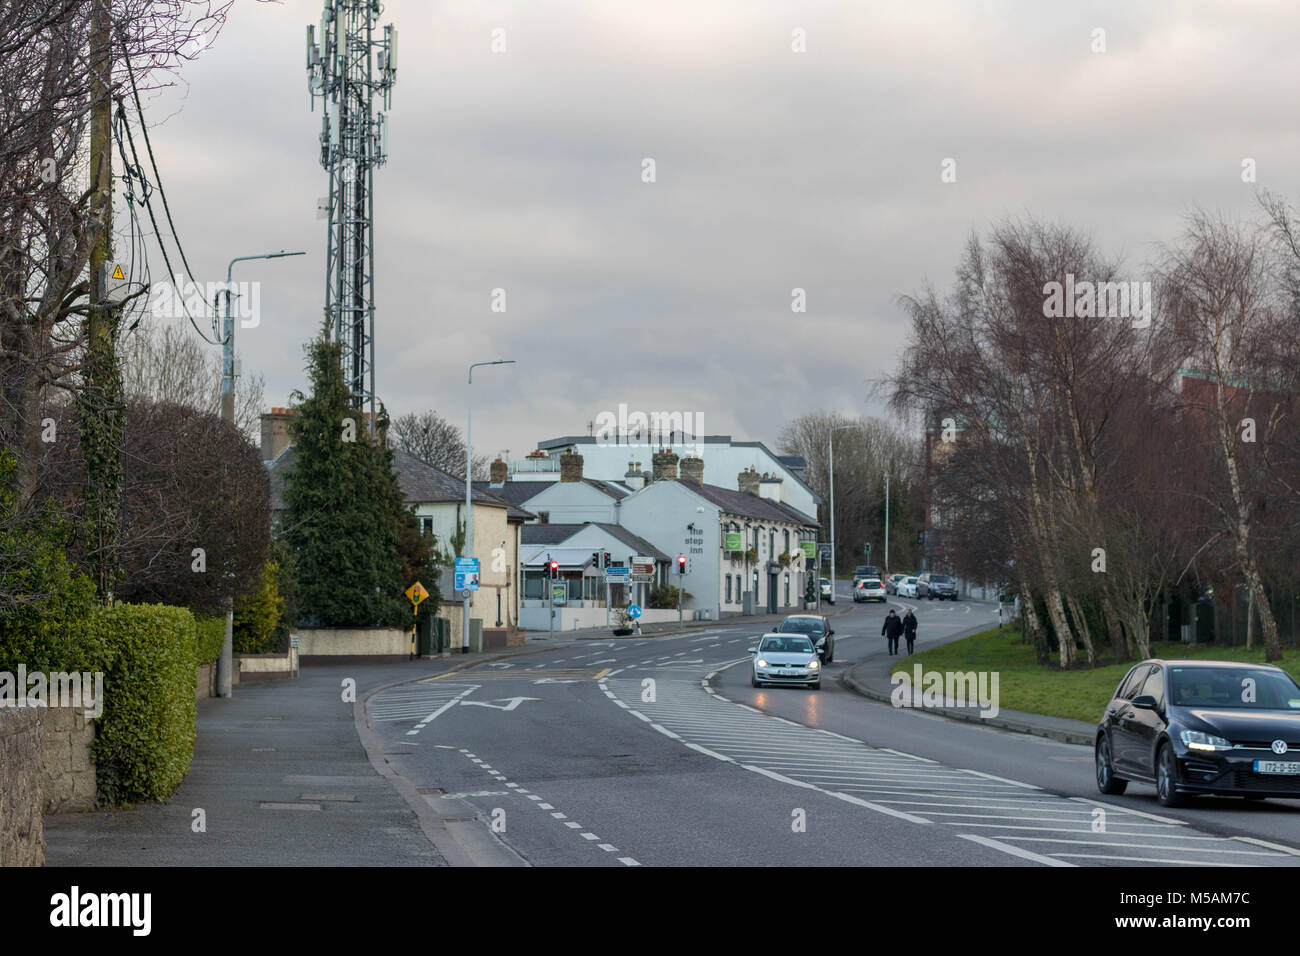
(346, 66)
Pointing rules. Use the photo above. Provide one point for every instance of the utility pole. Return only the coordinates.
(831, 442)
(100, 409)
(887, 522)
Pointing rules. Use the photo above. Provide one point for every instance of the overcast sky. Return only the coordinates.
(775, 170)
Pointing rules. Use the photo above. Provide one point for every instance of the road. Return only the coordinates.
(658, 752)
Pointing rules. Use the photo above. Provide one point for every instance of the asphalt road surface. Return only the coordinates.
(657, 751)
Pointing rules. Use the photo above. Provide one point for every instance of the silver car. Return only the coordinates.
(786, 659)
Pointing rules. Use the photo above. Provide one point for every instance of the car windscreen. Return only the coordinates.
(1235, 687)
(786, 645)
(940, 579)
(801, 625)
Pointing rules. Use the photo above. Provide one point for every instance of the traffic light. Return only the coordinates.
(681, 564)
(595, 559)
(607, 561)
(554, 567)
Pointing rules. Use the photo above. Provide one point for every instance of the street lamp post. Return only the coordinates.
(469, 509)
(225, 663)
(831, 443)
(886, 522)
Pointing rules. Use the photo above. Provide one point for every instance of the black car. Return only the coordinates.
(817, 628)
(1189, 727)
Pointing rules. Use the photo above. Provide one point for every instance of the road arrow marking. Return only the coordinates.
(549, 680)
(498, 664)
(511, 703)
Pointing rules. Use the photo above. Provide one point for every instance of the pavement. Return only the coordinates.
(279, 777)
(870, 678)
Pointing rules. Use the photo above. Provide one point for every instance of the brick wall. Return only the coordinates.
(22, 834)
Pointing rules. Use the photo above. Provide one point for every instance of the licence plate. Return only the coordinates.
(791, 672)
(1291, 768)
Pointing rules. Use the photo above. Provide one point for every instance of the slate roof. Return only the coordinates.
(748, 505)
(518, 492)
(420, 484)
(556, 534)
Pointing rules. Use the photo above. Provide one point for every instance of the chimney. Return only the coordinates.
(570, 466)
(497, 472)
(747, 481)
(693, 468)
(770, 487)
(275, 432)
(635, 477)
(665, 465)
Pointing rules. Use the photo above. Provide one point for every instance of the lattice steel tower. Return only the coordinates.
(346, 67)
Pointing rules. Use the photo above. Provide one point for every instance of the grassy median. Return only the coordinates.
(1025, 685)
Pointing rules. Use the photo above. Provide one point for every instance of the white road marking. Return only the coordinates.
(1014, 850)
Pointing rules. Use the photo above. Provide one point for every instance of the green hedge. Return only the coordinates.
(211, 633)
(145, 738)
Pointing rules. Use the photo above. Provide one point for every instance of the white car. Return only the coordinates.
(827, 593)
(907, 587)
(786, 659)
(869, 589)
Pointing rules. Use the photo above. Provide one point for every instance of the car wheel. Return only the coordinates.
(1107, 782)
(1166, 779)
(817, 686)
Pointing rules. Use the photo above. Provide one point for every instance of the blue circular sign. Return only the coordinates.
(634, 611)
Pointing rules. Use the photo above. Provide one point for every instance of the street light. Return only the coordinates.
(887, 522)
(225, 663)
(469, 508)
(831, 441)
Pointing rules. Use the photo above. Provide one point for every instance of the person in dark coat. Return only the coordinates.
(892, 628)
(909, 629)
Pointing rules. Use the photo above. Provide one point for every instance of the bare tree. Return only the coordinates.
(167, 363)
(435, 441)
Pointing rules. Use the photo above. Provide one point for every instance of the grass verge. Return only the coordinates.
(1025, 685)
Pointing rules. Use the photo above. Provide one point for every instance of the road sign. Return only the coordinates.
(618, 575)
(643, 569)
(559, 594)
(824, 550)
(466, 574)
(634, 611)
(416, 593)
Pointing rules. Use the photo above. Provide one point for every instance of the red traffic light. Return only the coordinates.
(681, 564)
(555, 568)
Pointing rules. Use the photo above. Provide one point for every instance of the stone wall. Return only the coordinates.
(22, 833)
(68, 772)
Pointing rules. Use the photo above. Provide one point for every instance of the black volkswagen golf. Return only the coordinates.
(1192, 727)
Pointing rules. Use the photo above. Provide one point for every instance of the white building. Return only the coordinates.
(624, 460)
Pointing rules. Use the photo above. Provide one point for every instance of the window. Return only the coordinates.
(771, 546)
(534, 585)
(787, 590)
(1128, 687)
(787, 550)
(1155, 685)
(728, 588)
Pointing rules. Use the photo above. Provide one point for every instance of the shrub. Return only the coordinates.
(145, 738)
(258, 612)
(211, 633)
(664, 597)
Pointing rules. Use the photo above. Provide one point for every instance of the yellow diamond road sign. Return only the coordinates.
(416, 593)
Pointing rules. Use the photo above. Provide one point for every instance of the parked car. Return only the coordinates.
(939, 586)
(907, 587)
(786, 659)
(828, 594)
(1191, 727)
(817, 628)
(864, 571)
(891, 583)
(869, 589)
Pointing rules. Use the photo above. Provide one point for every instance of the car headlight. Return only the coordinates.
(814, 664)
(1195, 740)
(761, 663)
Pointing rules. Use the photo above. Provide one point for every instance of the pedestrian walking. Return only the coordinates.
(909, 629)
(892, 628)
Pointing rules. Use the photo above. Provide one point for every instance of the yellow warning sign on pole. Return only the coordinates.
(416, 593)
(117, 272)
